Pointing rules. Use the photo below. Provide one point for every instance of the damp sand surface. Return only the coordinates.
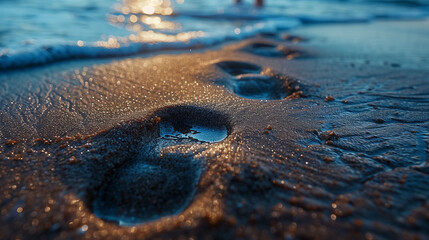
(322, 138)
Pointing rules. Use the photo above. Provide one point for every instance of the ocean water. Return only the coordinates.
(36, 32)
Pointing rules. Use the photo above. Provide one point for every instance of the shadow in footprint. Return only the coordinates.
(271, 50)
(235, 68)
(146, 189)
(250, 81)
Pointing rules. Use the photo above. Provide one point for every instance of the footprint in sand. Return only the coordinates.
(147, 186)
(259, 87)
(250, 82)
(271, 50)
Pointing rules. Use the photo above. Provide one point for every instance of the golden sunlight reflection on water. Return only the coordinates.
(142, 17)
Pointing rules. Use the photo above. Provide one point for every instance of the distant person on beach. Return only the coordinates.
(258, 3)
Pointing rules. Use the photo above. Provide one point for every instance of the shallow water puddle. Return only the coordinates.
(181, 130)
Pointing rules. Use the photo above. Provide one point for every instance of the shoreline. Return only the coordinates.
(195, 47)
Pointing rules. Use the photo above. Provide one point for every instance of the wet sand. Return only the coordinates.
(322, 135)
